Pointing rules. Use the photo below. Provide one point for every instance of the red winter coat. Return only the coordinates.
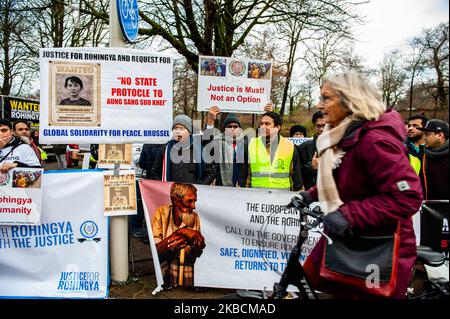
(375, 161)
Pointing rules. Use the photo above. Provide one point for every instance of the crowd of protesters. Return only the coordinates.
(368, 171)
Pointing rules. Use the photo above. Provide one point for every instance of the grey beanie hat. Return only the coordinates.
(184, 120)
(231, 118)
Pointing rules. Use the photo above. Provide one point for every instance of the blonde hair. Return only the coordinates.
(357, 94)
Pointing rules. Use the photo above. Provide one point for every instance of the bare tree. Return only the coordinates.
(435, 43)
(392, 78)
(14, 62)
(413, 68)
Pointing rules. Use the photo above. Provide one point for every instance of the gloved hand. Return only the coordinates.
(306, 198)
(302, 200)
(336, 224)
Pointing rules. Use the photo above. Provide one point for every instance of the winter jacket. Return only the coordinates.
(306, 152)
(16, 151)
(190, 170)
(148, 155)
(434, 173)
(379, 188)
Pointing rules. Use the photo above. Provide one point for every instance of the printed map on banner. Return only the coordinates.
(110, 154)
(105, 96)
(21, 196)
(119, 193)
(237, 238)
(233, 84)
(66, 255)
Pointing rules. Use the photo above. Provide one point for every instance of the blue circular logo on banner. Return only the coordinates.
(128, 18)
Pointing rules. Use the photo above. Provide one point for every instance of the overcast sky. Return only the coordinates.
(390, 23)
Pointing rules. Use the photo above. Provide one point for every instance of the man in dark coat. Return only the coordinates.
(180, 160)
(435, 166)
(308, 153)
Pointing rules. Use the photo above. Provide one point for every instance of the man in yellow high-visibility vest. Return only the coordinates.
(273, 160)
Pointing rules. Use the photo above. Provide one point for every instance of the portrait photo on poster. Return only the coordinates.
(74, 94)
(175, 226)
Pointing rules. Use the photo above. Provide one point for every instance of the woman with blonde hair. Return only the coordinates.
(365, 184)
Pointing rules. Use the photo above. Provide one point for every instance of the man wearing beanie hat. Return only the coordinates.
(14, 152)
(180, 160)
(435, 163)
(297, 131)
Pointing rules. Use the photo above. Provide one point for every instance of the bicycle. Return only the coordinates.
(293, 274)
(422, 285)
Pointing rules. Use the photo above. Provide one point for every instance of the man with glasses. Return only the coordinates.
(308, 152)
(435, 164)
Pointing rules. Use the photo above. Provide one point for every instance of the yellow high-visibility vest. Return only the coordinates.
(415, 163)
(270, 175)
(43, 154)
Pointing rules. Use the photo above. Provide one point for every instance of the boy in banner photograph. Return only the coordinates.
(74, 85)
(176, 230)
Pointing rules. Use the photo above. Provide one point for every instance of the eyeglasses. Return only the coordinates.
(320, 126)
(324, 99)
(232, 126)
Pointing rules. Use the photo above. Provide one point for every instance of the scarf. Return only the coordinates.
(330, 157)
(230, 157)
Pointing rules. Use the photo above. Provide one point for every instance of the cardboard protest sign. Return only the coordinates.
(233, 84)
(105, 96)
(66, 255)
(21, 196)
(110, 154)
(119, 193)
(247, 234)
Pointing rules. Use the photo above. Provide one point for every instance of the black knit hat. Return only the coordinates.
(6, 123)
(232, 118)
(297, 128)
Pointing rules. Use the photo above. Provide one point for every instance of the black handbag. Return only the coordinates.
(355, 261)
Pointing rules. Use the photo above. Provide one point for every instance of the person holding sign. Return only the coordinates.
(176, 230)
(273, 160)
(181, 158)
(14, 152)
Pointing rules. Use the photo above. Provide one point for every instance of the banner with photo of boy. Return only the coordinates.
(66, 255)
(104, 96)
(241, 237)
(233, 84)
(21, 196)
(119, 193)
(111, 154)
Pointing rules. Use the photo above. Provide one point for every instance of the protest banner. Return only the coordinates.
(233, 84)
(110, 154)
(119, 193)
(21, 196)
(105, 96)
(15, 108)
(248, 235)
(299, 140)
(434, 225)
(66, 255)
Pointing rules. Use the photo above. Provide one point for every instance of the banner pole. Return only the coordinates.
(118, 224)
